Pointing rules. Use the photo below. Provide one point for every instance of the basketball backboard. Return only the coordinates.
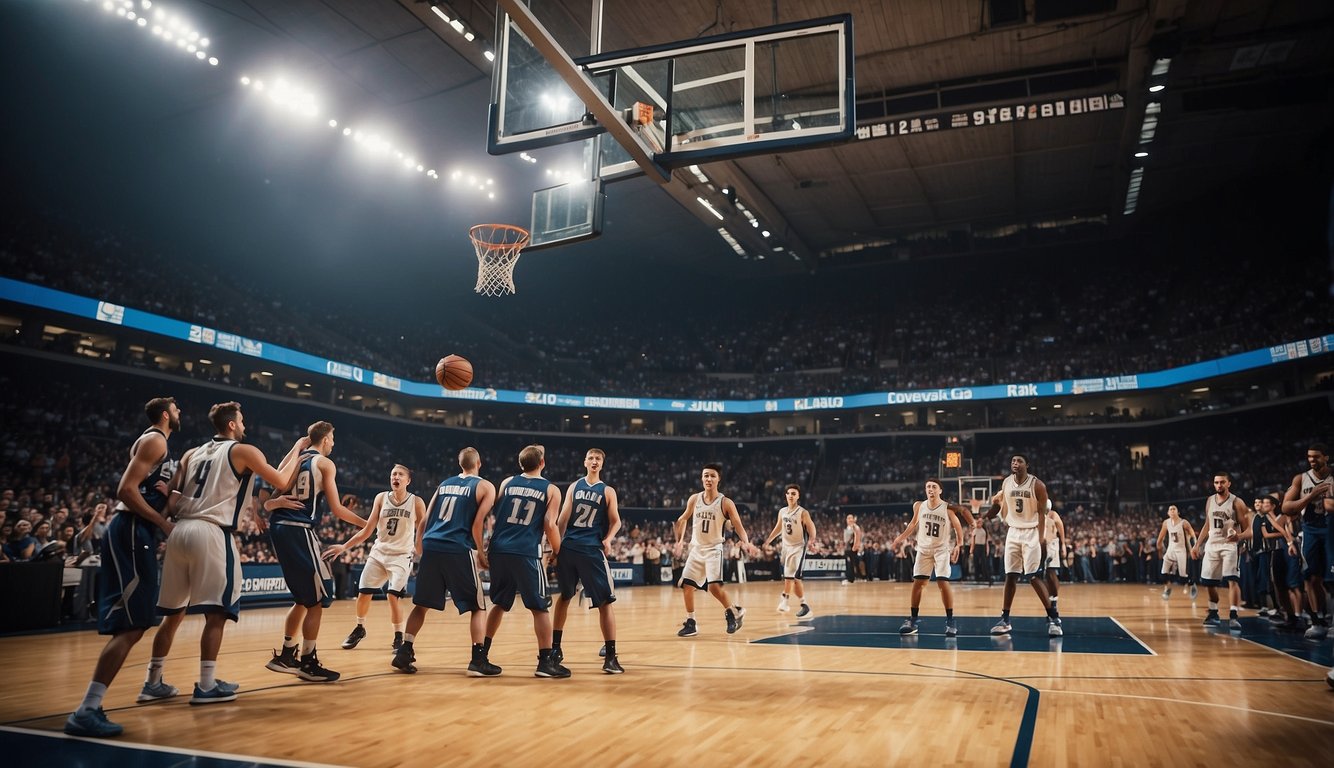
(765, 90)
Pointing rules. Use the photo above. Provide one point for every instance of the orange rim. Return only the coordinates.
(494, 237)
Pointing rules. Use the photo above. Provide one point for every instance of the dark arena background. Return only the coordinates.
(855, 246)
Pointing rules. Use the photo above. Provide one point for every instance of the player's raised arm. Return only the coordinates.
(613, 519)
(486, 498)
(247, 457)
(549, 521)
(679, 527)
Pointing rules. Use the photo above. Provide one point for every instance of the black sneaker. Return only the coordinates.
(483, 668)
(398, 640)
(403, 659)
(312, 671)
(549, 668)
(804, 611)
(557, 655)
(734, 619)
(285, 661)
(688, 629)
(612, 666)
(358, 633)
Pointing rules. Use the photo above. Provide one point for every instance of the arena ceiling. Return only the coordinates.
(1247, 92)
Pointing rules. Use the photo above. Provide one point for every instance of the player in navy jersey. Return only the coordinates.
(589, 520)
(128, 576)
(296, 542)
(455, 518)
(527, 507)
(1310, 497)
(201, 569)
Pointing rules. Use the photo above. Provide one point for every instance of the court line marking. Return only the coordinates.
(238, 758)
(1282, 652)
(1023, 742)
(1170, 700)
(1133, 636)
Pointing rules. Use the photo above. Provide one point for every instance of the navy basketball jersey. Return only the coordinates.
(588, 516)
(449, 520)
(1313, 516)
(162, 473)
(520, 512)
(308, 488)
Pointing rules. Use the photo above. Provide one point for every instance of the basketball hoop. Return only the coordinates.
(498, 247)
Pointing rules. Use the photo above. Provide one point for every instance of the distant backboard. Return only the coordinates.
(566, 214)
(765, 90)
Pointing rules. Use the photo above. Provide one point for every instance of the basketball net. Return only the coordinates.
(497, 247)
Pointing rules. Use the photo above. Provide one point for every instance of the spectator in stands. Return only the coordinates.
(20, 545)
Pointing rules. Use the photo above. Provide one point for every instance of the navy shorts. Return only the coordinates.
(1286, 571)
(307, 575)
(575, 566)
(127, 583)
(521, 575)
(1315, 553)
(452, 572)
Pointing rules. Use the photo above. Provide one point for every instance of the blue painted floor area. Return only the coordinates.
(1083, 634)
(26, 748)
(1260, 631)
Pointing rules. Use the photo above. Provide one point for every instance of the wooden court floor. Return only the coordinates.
(1199, 697)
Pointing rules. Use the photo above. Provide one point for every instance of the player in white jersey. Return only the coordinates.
(202, 567)
(708, 510)
(1054, 553)
(933, 520)
(1226, 521)
(797, 531)
(1176, 532)
(1023, 498)
(397, 519)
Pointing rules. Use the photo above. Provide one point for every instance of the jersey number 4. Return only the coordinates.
(201, 474)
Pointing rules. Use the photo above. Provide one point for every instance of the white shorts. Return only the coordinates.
(928, 562)
(794, 560)
(1175, 561)
(201, 570)
(1053, 558)
(1219, 564)
(381, 568)
(703, 567)
(1023, 555)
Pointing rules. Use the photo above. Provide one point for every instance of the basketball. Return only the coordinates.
(453, 372)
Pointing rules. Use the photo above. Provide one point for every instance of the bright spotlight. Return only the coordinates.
(259, 85)
(420, 168)
(157, 30)
(131, 15)
(765, 233)
(333, 123)
(199, 55)
(1141, 153)
(203, 42)
(491, 195)
(347, 131)
(213, 61)
(1156, 88)
(107, 6)
(141, 21)
(192, 48)
(469, 36)
(245, 80)
(147, 4)
(490, 56)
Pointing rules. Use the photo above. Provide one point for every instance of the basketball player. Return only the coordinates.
(1023, 498)
(932, 520)
(455, 519)
(1226, 522)
(1309, 496)
(852, 548)
(709, 509)
(526, 511)
(296, 543)
(797, 531)
(397, 518)
(202, 568)
(1176, 531)
(589, 519)
(1286, 565)
(1055, 552)
(128, 576)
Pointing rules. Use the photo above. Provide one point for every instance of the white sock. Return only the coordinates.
(690, 615)
(785, 597)
(1213, 606)
(208, 675)
(288, 643)
(93, 698)
(398, 627)
(307, 647)
(408, 637)
(361, 620)
(1234, 609)
(155, 670)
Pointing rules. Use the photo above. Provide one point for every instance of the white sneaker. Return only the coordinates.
(783, 606)
(1316, 632)
(845, 581)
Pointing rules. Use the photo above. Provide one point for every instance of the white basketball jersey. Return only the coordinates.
(933, 526)
(212, 490)
(396, 532)
(1220, 517)
(794, 533)
(1176, 534)
(1051, 528)
(1019, 503)
(708, 523)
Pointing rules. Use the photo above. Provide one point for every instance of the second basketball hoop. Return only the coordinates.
(497, 247)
